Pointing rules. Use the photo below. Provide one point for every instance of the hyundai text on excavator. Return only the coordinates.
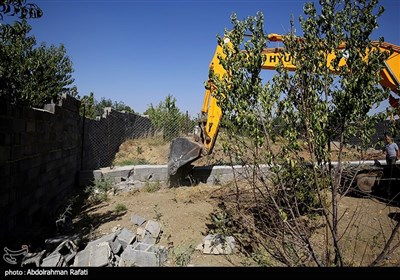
(184, 151)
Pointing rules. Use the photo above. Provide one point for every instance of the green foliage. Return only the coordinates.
(98, 191)
(88, 108)
(29, 75)
(120, 207)
(116, 105)
(93, 108)
(20, 9)
(221, 222)
(167, 117)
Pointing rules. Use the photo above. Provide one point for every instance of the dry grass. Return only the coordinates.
(154, 150)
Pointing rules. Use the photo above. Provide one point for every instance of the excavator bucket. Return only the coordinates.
(182, 151)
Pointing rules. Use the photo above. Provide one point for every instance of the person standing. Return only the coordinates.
(392, 150)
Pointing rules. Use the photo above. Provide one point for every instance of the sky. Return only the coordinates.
(138, 52)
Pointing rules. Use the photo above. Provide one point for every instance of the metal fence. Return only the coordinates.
(101, 138)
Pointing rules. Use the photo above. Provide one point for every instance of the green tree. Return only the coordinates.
(94, 108)
(167, 117)
(314, 106)
(20, 9)
(121, 106)
(116, 105)
(29, 75)
(88, 107)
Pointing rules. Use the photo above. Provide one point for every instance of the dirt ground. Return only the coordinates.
(183, 212)
(185, 216)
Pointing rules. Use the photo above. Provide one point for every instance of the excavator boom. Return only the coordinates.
(184, 151)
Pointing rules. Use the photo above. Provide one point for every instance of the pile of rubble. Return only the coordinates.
(122, 247)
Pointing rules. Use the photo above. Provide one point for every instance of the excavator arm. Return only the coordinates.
(184, 151)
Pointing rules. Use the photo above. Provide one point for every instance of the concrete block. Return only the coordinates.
(140, 246)
(139, 254)
(119, 171)
(5, 153)
(116, 246)
(146, 251)
(30, 126)
(126, 237)
(146, 259)
(154, 228)
(68, 249)
(148, 239)
(128, 257)
(82, 258)
(137, 220)
(97, 174)
(123, 186)
(101, 255)
(137, 185)
(5, 138)
(151, 173)
(53, 260)
(106, 238)
(50, 108)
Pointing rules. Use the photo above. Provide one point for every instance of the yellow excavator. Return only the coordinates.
(184, 151)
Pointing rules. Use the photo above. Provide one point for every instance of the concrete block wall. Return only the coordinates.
(41, 155)
(39, 162)
(131, 177)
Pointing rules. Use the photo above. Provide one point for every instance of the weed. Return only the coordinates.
(104, 184)
(221, 222)
(120, 207)
(182, 255)
(157, 212)
(151, 187)
(98, 191)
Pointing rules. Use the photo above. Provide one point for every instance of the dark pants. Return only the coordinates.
(391, 160)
